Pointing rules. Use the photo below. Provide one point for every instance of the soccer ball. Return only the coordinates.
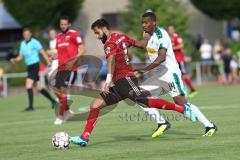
(61, 140)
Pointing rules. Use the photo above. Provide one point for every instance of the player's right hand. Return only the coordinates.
(12, 60)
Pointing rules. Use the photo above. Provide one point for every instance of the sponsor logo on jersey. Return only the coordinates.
(151, 51)
(67, 38)
(63, 44)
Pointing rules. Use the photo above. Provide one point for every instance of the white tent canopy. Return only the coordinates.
(6, 19)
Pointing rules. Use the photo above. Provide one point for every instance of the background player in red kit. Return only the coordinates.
(121, 75)
(69, 46)
(178, 46)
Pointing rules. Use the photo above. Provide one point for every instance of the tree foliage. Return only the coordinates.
(219, 9)
(41, 13)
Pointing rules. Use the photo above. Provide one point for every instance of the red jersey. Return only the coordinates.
(67, 45)
(117, 45)
(179, 53)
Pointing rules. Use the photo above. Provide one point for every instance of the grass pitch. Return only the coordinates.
(124, 133)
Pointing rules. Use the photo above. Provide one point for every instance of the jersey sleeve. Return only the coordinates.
(21, 48)
(129, 41)
(163, 43)
(37, 45)
(77, 38)
(110, 49)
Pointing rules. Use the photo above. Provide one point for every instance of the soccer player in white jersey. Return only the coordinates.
(160, 52)
(52, 52)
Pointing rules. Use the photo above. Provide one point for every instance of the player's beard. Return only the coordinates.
(65, 31)
(104, 38)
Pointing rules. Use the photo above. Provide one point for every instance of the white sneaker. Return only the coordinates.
(58, 121)
(68, 114)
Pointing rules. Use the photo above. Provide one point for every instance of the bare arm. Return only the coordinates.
(161, 58)
(180, 46)
(17, 59)
(110, 69)
(43, 53)
(143, 43)
(81, 50)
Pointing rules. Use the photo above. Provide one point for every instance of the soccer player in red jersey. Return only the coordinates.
(121, 75)
(178, 45)
(69, 45)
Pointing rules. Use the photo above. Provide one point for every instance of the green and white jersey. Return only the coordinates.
(160, 39)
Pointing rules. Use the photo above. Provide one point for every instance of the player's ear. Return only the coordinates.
(104, 29)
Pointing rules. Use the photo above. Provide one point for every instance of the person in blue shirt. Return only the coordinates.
(30, 49)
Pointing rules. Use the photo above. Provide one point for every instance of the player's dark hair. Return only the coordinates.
(150, 15)
(100, 23)
(25, 29)
(65, 18)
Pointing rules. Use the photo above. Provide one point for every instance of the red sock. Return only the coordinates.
(188, 83)
(92, 120)
(162, 104)
(63, 105)
(61, 109)
(64, 102)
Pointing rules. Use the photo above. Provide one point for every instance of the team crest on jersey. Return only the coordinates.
(67, 38)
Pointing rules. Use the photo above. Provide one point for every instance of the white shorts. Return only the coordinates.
(54, 67)
(233, 64)
(169, 83)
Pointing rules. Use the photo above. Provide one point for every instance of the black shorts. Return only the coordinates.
(33, 72)
(65, 78)
(182, 68)
(125, 88)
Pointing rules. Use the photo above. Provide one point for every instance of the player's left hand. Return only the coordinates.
(138, 72)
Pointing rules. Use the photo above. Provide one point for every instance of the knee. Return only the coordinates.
(28, 85)
(142, 100)
(94, 106)
(39, 88)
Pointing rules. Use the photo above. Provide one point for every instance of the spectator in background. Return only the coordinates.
(52, 51)
(206, 57)
(220, 67)
(227, 58)
(1, 79)
(30, 49)
(234, 70)
(217, 47)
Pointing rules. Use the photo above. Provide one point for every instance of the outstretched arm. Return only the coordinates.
(143, 43)
(161, 58)
(17, 59)
(44, 55)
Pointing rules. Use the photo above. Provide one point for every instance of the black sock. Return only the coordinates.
(47, 95)
(30, 97)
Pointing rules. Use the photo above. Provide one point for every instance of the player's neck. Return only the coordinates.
(108, 34)
(151, 33)
(65, 31)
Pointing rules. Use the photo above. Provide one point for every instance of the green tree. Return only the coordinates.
(219, 9)
(168, 12)
(40, 14)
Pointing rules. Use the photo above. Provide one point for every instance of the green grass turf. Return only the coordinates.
(27, 136)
